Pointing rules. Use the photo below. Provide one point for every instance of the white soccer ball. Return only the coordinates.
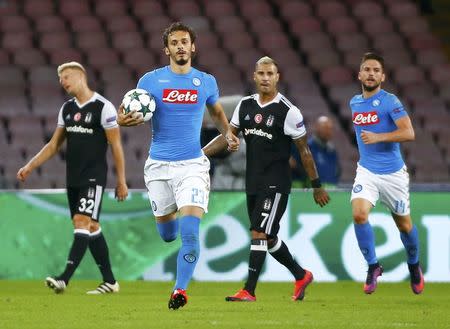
(140, 102)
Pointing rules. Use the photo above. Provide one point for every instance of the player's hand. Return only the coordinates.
(23, 173)
(121, 192)
(321, 196)
(233, 141)
(127, 120)
(369, 137)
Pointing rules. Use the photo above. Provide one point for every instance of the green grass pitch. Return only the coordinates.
(29, 305)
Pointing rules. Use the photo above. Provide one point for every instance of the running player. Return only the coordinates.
(176, 172)
(88, 122)
(381, 123)
(270, 123)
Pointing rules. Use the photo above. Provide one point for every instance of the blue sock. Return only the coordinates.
(366, 242)
(168, 230)
(189, 251)
(411, 242)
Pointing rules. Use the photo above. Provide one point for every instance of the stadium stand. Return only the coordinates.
(318, 44)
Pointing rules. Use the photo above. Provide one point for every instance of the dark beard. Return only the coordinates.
(369, 89)
(182, 62)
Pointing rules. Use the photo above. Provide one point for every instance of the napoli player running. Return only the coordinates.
(381, 123)
(177, 172)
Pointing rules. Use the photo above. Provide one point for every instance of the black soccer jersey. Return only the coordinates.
(86, 140)
(268, 132)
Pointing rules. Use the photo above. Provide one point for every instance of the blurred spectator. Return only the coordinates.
(229, 172)
(324, 154)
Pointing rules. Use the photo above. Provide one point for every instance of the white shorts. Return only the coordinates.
(391, 189)
(172, 185)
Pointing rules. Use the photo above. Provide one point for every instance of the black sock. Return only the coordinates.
(100, 252)
(283, 256)
(258, 251)
(77, 251)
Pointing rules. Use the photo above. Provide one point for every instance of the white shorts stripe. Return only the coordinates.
(273, 212)
(97, 200)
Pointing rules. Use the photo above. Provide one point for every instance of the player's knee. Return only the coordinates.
(168, 236)
(360, 217)
(168, 231)
(81, 221)
(94, 226)
(272, 242)
(405, 227)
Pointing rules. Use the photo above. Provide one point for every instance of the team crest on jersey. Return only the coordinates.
(196, 82)
(77, 116)
(375, 102)
(88, 118)
(91, 193)
(269, 121)
(267, 204)
(258, 118)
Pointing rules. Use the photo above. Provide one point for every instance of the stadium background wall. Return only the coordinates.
(36, 234)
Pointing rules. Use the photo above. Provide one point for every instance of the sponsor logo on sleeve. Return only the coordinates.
(111, 119)
(300, 124)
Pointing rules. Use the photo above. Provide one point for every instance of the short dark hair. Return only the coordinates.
(373, 56)
(177, 26)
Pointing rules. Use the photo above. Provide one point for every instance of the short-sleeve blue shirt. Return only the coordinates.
(378, 114)
(180, 105)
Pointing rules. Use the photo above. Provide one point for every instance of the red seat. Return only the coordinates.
(9, 8)
(424, 41)
(217, 8)
(156, 25)
(331, 8)
(115, 73)
(293, 9)
(74, 8)
(99, 58)
(55, 40)
(254, 8)
(229, 25)
(272, 42)
(110, 8)
(36, 8)
(138, 58)
(14, 23)
(43, 75)
(266, 24)
(17, 41)
(4, 57)
(336, 75)
(367, 10)
(352, 41)
(409, 74)
(59, 56)
(90, 40)
(305, 26)
(414, 25)
(147, 10)
(212, 58)
(315, 41)
(50, 23)
(117, 24)
(235, 42)
(430, 57)
(440, 74)
(387, 41)
(377, 25)
(13, 76)
(85, 23)
(400, 10)
(319, 60)
(183, 8)
(341, 25)
(123, 41)
(28, 58)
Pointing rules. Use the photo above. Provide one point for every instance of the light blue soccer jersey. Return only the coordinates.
(180, 105)
(378, 114)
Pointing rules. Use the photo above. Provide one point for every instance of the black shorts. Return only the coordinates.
(265, 211)
(85, 200)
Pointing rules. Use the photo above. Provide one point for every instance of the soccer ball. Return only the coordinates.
(140, 102)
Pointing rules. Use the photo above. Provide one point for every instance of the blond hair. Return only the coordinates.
(70, 65)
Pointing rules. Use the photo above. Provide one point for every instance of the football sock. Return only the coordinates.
(366, 242)
(189, 251)
(79, 245)
(100, 252)
(168, 230)
(281, 253)
(411, 242)
(258, 251)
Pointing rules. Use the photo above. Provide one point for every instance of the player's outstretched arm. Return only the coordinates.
(127, 120)
(403, 133)
(49, 150)
(113, 136)
(220, 120)
(321, 196)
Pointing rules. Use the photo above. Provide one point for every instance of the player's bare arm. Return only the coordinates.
(403, 133)
(220, 120)
(219, 144)
(321, 196)
(127, 120)
(48, 151)
(113, 136)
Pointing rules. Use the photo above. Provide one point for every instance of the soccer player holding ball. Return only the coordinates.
(176, 172)
(381, 123)
(88, 122)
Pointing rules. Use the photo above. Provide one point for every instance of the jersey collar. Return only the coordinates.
(92, 99)
(276, 99)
